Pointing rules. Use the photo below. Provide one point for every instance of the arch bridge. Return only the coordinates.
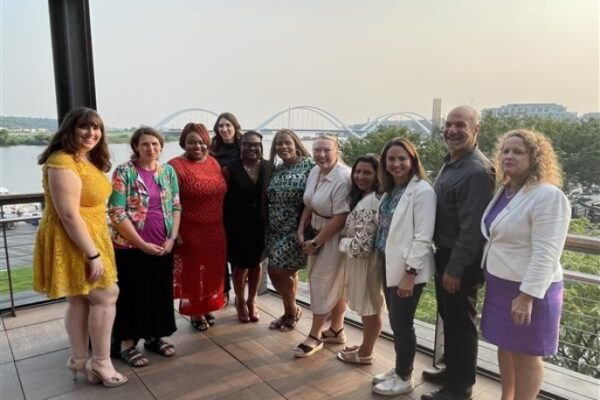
(302, 119)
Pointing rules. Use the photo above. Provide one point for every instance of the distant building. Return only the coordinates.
(543, 110)
(436, 116)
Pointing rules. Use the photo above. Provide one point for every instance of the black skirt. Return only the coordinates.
(145, 303)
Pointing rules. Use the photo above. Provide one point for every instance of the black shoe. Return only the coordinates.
(445, 394)
(437, 376)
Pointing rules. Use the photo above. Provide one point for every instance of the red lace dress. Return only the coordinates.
(200, 258)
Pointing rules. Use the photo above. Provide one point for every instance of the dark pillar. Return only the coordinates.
(72, 53)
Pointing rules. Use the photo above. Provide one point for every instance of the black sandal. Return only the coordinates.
(160, 347)
(304, 350)
(290, 321)
(200, 324)
(133, 357)
(210, 318)
(278, 323)
(338, 336)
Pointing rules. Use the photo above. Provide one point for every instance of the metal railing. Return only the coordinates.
(579, 339)
(16, 239)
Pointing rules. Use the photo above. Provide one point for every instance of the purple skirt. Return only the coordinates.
(540, 338)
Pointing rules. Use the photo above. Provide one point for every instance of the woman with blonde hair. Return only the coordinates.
(325, 209)
(284, 194)
(526, 225)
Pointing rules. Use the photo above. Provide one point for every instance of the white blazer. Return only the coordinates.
(527, 237)
(409, 241)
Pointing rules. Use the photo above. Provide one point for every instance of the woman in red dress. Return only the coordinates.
(200, 253)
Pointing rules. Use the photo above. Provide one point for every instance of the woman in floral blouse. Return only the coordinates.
(144, 210)
(365, 279)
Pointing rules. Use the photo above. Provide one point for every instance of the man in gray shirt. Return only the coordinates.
(464, 187)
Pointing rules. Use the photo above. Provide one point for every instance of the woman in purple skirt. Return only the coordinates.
(526, 225)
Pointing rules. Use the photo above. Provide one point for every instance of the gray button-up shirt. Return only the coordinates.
(464, 188)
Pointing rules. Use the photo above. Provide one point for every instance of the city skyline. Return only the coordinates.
(355, 60)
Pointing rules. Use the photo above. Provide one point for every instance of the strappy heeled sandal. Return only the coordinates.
(242, 312)
(253, 314)
(76, 365)
(95, 377)
(303, 350)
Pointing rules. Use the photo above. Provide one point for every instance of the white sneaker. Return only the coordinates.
(394, 386)
(384, 376)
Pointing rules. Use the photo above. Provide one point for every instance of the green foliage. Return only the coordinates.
(3, 136)
(577, 144)
(9, 122)
(430, 150)
(583, 226)
(22, 279)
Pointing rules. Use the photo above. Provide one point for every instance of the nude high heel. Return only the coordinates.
(76, 365)
(95, 377)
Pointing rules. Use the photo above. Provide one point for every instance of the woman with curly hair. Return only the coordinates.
(526, 224)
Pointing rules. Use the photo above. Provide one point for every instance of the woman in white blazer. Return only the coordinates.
(406, 224)
(526, 225)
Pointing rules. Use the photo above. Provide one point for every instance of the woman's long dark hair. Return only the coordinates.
(64, 139)
(355, 193)
(217, 140)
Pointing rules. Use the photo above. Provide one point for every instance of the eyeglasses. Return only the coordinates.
(249, 145)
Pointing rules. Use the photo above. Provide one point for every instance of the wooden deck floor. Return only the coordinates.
(229, 361)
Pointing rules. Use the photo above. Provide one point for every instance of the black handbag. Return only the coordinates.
(310, 233)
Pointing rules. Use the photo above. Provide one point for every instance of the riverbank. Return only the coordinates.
(8, 138)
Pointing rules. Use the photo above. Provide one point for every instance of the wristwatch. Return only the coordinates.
(412, 271)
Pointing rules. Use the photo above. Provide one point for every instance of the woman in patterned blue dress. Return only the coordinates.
(284, 194)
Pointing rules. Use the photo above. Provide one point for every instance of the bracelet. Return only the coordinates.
(94, 257)
(173, 238)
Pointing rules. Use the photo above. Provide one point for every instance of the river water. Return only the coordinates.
(19, 172)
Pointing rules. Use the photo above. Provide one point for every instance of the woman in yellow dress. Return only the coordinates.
(73, 254)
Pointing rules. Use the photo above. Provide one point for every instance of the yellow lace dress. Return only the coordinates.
(59, 267)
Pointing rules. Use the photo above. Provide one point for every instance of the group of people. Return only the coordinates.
(371, 235)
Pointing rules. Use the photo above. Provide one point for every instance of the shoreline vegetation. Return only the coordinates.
(17, 138)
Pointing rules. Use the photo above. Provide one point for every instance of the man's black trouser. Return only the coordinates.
(460, 328)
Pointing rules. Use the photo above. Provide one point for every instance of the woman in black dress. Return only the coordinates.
(244, 222)
(225, 147)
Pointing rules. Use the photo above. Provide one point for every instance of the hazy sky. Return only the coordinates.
(356, 59)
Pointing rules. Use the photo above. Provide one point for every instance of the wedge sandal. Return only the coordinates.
(331, 336)
(304, 350)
